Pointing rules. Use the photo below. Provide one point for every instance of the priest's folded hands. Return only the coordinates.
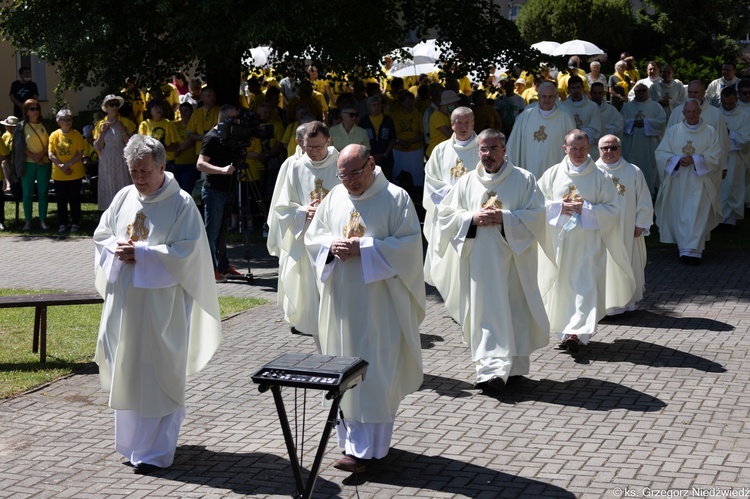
(343, 249)
(570, 208)
(126, 251)
(488, 216)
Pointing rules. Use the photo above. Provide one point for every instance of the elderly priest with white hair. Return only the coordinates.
(160, 320)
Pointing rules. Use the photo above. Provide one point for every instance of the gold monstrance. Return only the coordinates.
(319, 192)
(354, 228)
(138, 231)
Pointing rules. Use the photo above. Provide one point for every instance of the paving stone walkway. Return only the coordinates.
(657, 407)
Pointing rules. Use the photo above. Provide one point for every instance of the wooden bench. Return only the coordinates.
(40, 303)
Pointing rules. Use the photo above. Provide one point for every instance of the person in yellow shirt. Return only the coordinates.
(185, 172)
(4, 157)
(204, 118)
(574, 68)
(66, 153)
(161, 129)
(408, 153)
(8, 172)
(30, 147)
(168, 92)
(440, 120)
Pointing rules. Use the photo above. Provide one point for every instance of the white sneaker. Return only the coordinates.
(62, 229)
(2, 227)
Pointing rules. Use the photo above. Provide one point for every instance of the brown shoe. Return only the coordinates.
(350, 464)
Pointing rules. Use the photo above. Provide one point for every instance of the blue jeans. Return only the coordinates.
(213, 215)
(186, 176)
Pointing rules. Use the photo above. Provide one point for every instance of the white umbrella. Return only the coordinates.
(546, 47)
(428, 49)
(412, 68)
(258, 56)
(577, 47)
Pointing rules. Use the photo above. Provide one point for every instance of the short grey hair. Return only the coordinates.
(462, 111)
(491, 133)
(140, 146)
(63, 113)
(300, 134)
(595, 63)
(621, 64)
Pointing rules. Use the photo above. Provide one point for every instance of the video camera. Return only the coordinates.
(239, 133)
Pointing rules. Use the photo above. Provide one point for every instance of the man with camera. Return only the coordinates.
(215, 160)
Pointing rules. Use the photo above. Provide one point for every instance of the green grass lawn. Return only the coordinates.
(71, 340)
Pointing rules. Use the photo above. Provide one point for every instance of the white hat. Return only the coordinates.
(112, 97)
(520, 81)
(10, 121)
(448, 97)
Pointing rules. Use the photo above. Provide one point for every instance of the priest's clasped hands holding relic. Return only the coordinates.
(571, 207)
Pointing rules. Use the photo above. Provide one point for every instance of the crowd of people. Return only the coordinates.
(535, 202)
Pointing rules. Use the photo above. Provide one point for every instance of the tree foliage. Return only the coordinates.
(694, 39)
(101, 42)
(607, 23)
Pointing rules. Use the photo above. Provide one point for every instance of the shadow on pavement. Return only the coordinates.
(586, 393)
(254, 473)
(447, 387)
(647, 318)
(442, 474)
(648, 354)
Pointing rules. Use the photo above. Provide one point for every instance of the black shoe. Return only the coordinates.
(572, 344)
(515, 379)
(297, 331)
(145, 468)
(690, 260)
(495, 384)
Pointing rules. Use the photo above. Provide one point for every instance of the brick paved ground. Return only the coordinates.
(658, 402)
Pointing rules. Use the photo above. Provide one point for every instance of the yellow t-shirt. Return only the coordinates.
(530, 95)
(408, 127)
(202, 121)
(129, 126)
(4, 151)
(89, 151)
(290, 134)
(65, 146)
(188, 156)
(437, 119)
(163, 131)
(254, 167)
(37, 139)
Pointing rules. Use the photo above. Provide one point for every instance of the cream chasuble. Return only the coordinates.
(674, 90)
(447, 164)
(738, 161)
(640, 143)
(586, 115)
(688, 206)
(536, 142)
(612, 120)
(501, 307)
(636, 210)
(574, 288)
(304, 183)
(371, 306)
(160, 320)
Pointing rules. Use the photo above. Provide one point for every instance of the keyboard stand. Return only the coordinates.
(304, 491)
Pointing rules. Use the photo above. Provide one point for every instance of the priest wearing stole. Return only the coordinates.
(582, 226)
(160, 320)
(644, 127)
(366, 245)
(298, 195)
(688, 206)
(636, 217)
(449, 161)
(493, 218)
(733, 186)
(534, 143)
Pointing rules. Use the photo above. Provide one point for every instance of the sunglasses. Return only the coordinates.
(353, 115)
(112, 104)
(609, 148)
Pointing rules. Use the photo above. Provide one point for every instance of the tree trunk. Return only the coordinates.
(223, 75)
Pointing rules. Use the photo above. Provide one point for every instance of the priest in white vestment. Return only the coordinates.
(636, 217)
(733, 185)
(743, 91)
(668, 93)
(366, 244)
(300, 191)
(585, 113)
(688, 206)
(652, 69)
(494, 218)
(160, 320)
(728, 80)
(534, 143)
(612, 121)
(583, 225)
(710, 114)
(449, 161)
(645, 122)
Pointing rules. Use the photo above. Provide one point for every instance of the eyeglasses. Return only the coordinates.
(33, 109)
(609, 148)
(354, 174)
(487, 150)
(316, 148)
